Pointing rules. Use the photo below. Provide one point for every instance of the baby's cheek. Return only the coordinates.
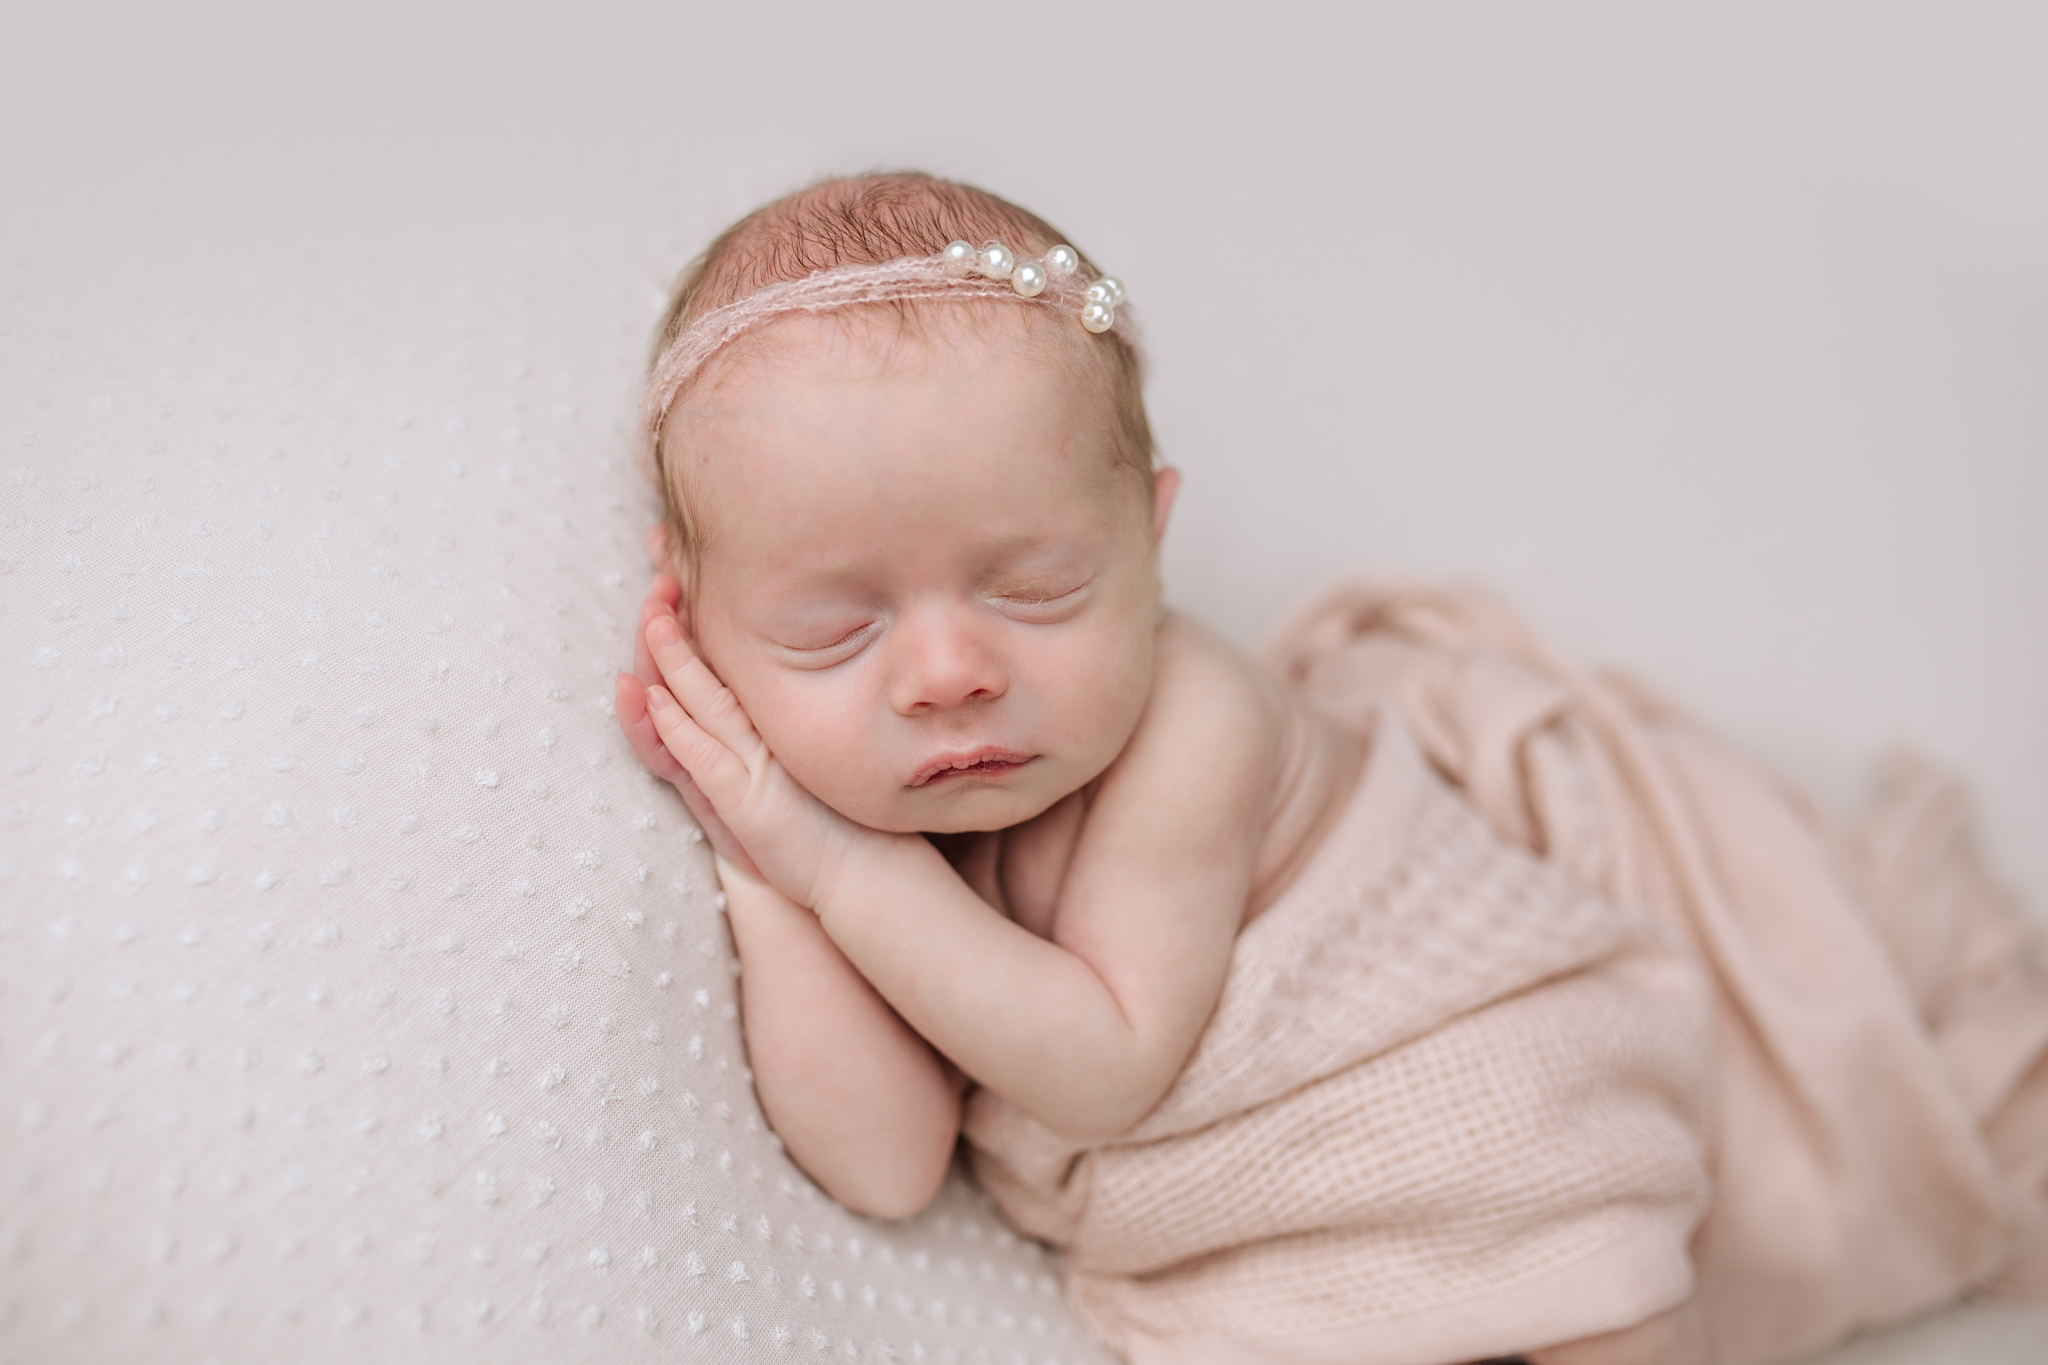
(820, 728)
(1104, 687)
(830, 762)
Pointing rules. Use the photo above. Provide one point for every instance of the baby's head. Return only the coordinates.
(917, 536)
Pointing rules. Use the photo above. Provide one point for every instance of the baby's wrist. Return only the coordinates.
(751, 898)
(731, 874)
(854, 861)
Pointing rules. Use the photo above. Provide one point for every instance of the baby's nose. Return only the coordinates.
(941, 663)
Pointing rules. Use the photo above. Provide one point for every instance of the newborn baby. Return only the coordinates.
(999, 834)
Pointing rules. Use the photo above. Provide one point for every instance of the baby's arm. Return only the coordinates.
(1085, 1031)
(862, 1103)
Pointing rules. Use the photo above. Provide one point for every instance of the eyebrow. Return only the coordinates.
(1025, 544)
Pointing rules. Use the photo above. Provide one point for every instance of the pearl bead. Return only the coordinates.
(957, 256)
(1028, 279)
(1097, 316)
(1107, 290)
(1099, 293)
(995, 261)
(1063, 260)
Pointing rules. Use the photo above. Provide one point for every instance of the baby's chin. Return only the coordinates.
(961, 809)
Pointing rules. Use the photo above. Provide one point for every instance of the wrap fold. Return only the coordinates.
(1565, 967)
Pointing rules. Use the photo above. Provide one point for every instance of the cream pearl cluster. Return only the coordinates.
(1029, 278)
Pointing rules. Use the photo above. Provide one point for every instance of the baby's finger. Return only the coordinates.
(673, 654)
(643, 659)
(653, 754)
(713, 706)
(710, 703)
(664, 596)
(665, 643)
(714, 767)
(629, 703)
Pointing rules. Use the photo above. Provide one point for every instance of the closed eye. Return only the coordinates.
(1039, 604)
(826, 655)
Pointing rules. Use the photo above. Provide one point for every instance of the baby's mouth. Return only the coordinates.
(974, 763)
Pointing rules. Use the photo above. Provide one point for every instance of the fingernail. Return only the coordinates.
(663, 632)
(658, 699)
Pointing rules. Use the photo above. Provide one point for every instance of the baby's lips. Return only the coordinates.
(955, 762)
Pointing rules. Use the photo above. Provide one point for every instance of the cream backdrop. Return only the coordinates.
(359, 999)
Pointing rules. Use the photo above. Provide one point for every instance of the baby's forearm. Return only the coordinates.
(1026, 1017)
(858, 1099)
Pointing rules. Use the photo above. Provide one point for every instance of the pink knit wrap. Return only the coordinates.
(1566, 966)
(912, 277)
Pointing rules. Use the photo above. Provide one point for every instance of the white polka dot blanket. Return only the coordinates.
(360, 997)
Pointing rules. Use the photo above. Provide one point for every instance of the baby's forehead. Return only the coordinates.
(826, 396)
(830, 428)
(815, 423)
(875, 339)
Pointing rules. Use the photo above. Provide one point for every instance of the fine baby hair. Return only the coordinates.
(903, 241)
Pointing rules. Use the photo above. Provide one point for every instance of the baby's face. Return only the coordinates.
(922, 570)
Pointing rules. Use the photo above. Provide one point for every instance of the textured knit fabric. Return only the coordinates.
(1448, 1106)
(1881, 1022)
(1457, 1120)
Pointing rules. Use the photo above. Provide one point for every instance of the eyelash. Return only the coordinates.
(850, 635)
(819, 652)
(1047, 600)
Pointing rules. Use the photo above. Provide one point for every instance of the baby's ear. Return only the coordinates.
(1165, 483)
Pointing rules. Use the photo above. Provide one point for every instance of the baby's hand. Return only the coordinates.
(795, 840)
(664, 598)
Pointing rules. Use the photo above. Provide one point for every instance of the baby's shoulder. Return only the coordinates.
(1213, 713)
(1200, 676)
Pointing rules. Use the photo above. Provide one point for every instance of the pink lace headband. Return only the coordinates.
(960, 271)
